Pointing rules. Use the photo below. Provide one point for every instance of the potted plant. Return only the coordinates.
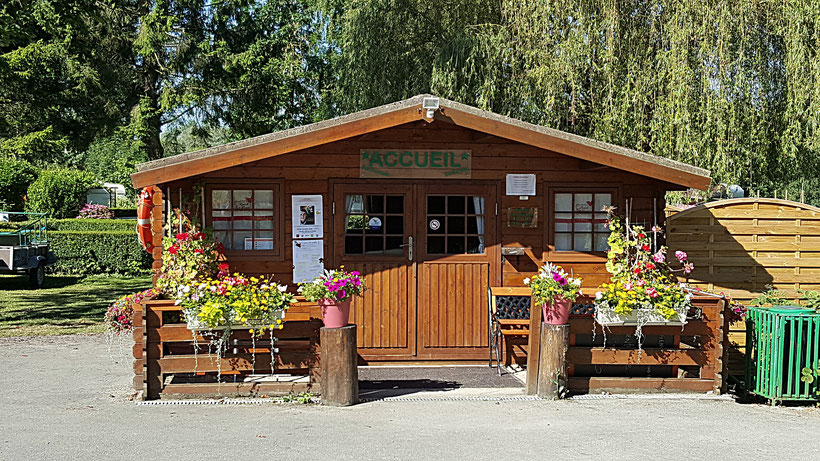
(554, 290)
(643, 289)
(333, 291)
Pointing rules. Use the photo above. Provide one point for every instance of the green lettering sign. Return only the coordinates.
(403, 163)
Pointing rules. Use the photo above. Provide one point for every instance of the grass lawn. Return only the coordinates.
(65, 304)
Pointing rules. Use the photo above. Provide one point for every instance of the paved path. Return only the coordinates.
(63, 398)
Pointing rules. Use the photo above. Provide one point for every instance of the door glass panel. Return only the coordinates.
(460, 230)
(435, 245)
(395, 204)
(374, 224)
(455, 224)
(455, 204)
(393, 245)
(435, 204)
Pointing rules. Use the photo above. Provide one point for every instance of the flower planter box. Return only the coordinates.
(195, 324)
(639, 316)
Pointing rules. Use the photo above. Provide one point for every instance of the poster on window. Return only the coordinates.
(307, 216)
(308, 259)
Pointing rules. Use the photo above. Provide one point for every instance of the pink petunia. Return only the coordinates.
(681, 255)
(659, 257)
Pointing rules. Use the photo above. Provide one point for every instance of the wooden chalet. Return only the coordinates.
(432, 205)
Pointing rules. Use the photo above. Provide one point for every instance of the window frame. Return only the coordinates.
(549, 243)
(277, 253)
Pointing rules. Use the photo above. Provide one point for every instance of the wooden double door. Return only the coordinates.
(428, 254)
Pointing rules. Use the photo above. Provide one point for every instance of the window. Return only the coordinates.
(455, 224)
(374, 224)
(243, 219)
(580, 221)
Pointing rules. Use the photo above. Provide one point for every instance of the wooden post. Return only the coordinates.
(340, 376)
(552, 369)
(533, 347)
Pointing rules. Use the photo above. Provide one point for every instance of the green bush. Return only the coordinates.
(15, 177)
(60, 192)
(120, 212)
(122, 225)
(98, 252)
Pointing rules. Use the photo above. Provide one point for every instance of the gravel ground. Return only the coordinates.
(66, 398)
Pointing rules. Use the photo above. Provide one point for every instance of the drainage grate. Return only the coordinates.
(214, 402)
(650, 397)
(476, 398)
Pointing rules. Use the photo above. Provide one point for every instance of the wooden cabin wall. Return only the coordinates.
(313, 171)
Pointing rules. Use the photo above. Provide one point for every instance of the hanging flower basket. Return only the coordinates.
(640, 316)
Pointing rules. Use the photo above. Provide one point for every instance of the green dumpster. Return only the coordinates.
(780, 341)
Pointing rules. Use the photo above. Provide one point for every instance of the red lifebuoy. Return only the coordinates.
(144, 207)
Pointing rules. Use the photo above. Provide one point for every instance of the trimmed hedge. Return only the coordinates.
(121, 225)
(98, 252)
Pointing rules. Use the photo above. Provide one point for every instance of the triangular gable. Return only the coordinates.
(390, 115)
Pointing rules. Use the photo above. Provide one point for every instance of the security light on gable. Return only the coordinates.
(431, 104)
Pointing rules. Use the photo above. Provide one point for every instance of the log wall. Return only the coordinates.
(316, 170)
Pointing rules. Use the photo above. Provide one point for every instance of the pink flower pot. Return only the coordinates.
(335, 314)
(556, 313)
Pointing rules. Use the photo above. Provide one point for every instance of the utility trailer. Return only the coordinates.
(25, 249)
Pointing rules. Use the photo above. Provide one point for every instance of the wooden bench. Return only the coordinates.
(509, 313)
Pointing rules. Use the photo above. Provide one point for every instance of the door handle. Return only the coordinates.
(409, 246)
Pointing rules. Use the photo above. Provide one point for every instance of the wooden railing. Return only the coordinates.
(167, 364)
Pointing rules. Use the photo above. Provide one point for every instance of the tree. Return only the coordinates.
(728, 86)
(61, 84)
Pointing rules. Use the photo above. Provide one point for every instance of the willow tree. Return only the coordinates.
(729, 86)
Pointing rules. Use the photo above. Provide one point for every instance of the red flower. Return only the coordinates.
(224, 267)
(641, 235)
(199, 236)
(173, 250)
(182, 236)
(198, 251)
(637, 270)
(650, 266)
(220, 247)
(645, 247)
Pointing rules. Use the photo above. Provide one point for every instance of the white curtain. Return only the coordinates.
(353, 203)
(478, 202)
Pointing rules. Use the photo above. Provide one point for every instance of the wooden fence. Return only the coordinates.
(741, 246)
(167, 365)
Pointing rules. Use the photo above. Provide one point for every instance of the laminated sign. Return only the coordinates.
(405, 163)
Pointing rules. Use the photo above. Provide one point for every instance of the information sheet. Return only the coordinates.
(308, 260)
(307, 216)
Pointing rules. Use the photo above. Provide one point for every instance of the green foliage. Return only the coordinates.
(62, 77)
(810, 298)
(302, 397)
(98, 252)
(728, 86)
(15, 177)
(59, 192)
(91, 225)
(113, 159)
(811, 375)
(770, 297)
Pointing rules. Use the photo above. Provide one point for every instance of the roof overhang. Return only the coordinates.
(249, 150)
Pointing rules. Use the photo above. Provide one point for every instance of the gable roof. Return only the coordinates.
(398, 113)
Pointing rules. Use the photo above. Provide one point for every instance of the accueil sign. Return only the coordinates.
(397, 163)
